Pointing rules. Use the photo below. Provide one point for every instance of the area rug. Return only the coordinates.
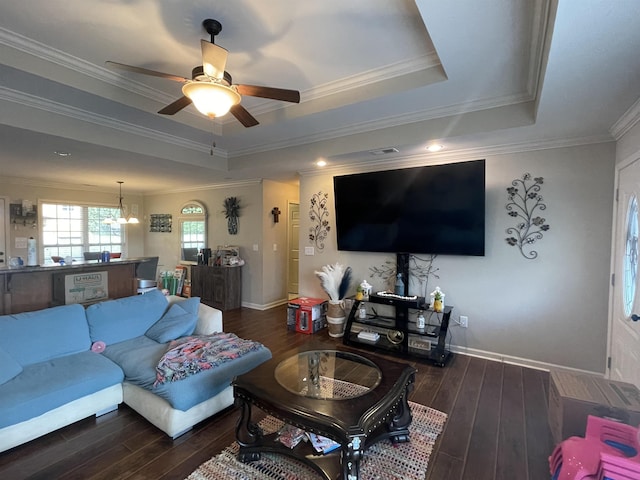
(383, 461)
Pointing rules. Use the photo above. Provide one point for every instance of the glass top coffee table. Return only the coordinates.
(354, 399)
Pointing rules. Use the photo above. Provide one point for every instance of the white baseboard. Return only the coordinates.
(472, 352)
(512, 360)
(266, 306)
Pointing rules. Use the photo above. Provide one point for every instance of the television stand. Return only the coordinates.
(398, 334)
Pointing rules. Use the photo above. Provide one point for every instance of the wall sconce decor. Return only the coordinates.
(524, 200)
(275, 211)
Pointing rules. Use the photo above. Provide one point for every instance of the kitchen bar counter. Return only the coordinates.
(25, 289)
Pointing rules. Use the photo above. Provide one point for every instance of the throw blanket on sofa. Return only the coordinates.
(190, 355)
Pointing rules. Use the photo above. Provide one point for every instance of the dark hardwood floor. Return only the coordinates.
(497, 426)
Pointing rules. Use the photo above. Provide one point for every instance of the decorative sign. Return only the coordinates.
(86, 287)
(160, 222)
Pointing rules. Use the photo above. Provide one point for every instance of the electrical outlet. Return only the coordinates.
(464, 321)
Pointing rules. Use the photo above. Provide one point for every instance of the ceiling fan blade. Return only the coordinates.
(145, 71)
(269, 92)
(243, 116)
(176, 106)
(214, 59)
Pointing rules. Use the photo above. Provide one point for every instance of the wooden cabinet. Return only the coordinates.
(218, 287)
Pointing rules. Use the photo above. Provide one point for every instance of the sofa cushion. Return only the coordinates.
(140, 356)
(34, 337)
(178, 321)
(118, 320)
(9, 368)
(50, 384)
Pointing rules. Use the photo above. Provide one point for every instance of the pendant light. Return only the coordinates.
(121, 218)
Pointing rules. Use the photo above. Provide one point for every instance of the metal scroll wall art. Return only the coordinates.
(525, 202)
(420, 269)
(319, 215)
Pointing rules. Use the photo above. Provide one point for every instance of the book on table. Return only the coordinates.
(322, 444)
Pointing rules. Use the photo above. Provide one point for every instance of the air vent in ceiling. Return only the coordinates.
(384, 151)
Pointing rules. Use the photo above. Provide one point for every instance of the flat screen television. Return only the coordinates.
(436, 209)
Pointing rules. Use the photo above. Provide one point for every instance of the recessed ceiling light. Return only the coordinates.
(321, 163)
(435, 148)
(62, 154)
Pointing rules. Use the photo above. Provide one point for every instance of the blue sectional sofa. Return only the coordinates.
(66, 363)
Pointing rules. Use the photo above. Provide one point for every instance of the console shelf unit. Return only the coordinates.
(426, 343)
(399, 335)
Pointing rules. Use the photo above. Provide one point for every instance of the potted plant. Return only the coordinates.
(437, 300)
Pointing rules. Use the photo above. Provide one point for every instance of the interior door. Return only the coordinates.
(624, 348)
(294, 249)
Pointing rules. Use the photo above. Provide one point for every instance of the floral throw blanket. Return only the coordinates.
(190, 355)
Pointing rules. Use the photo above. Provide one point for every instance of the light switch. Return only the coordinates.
(275, 247)
(309, 251)
(255, 247)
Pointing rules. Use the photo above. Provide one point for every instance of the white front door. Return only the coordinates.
(624, 348)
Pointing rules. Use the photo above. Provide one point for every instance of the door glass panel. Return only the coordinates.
(630, 256)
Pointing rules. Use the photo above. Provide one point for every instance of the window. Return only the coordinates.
(71, 230)
(630, 256)
(193, 230)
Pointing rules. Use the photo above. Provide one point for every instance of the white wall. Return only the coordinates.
(167, 245)
(552, 309)
(264, 272)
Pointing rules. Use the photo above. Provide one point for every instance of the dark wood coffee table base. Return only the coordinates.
(385, 415)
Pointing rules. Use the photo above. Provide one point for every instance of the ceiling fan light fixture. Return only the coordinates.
(210, 98)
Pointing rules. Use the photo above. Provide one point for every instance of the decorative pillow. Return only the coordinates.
(125, 318)
(191, 305)
(179, 320)
(9, 368)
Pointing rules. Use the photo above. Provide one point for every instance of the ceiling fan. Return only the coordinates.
(210, 87)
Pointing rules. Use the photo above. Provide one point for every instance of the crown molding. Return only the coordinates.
(426, 158)
(541, 30)
(56, 108)
(212, 186)
(386, 122)
(47, 53)
(30, 182)
(627, 121)
(369, 77)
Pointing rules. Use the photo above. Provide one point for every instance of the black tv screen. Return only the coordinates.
(437, 209)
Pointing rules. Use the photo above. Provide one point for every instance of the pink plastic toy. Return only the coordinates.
(609, 451)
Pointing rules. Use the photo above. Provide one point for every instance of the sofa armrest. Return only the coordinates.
(209, 318)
